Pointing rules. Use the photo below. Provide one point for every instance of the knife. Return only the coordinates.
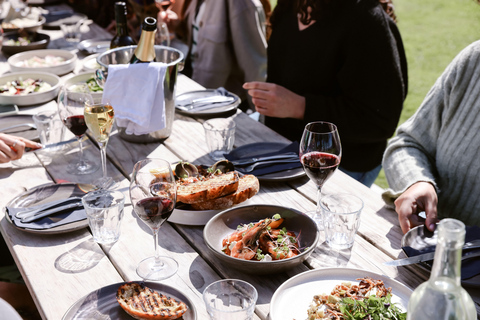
(430, 255)
(244, 162)
(191, 104)
(53, 145)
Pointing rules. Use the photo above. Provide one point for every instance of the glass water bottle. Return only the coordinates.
(442, 297)
(145, 51)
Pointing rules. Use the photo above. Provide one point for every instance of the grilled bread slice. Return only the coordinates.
(209, 188)
(142, 302)
(248, 186)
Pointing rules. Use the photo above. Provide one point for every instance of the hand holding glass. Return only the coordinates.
(153, 194)
(320, 154)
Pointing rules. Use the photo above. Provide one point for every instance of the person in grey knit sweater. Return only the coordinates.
(432, 164)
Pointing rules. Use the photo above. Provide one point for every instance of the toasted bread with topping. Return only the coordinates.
(248, 186)
(142, 302)
(209, 188)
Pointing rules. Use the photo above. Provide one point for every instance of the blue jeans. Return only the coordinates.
(367, 178)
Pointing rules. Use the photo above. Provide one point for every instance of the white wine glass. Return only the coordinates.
(99, 117)
(71, 105)
(320, 154)
(153, 194)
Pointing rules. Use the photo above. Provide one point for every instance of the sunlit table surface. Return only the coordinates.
(60, 269)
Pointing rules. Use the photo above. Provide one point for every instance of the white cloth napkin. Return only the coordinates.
(136, 93)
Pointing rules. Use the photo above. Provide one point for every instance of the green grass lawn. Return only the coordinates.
(433, 32)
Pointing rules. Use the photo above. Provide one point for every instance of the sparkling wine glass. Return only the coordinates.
(320, 154)
(162, 37)
(153, 194)
(99, 116)
(70, 109)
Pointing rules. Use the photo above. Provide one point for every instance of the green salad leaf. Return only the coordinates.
(373, 308)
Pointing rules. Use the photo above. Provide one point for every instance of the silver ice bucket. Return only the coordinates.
(174, 60)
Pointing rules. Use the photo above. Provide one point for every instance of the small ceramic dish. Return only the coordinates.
(226, 222)
(35, 40)
(36, 58)
(34, 97)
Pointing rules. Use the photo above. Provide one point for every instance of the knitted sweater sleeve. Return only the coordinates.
(411, 155)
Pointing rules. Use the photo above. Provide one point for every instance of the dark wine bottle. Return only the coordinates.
(122, 38)
(145, 51)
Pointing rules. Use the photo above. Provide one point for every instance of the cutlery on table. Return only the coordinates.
(34, 210)
(250, 168)
(244, 162)
(34, 215)
(430, 255)
(199, 104)
(29, 126)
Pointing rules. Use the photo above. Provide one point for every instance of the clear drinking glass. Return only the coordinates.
(320, 154)
(99, 116)
(153, 194)
(71, 106)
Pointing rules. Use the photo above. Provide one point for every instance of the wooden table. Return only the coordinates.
(60, 269)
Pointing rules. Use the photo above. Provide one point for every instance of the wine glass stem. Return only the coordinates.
(318, 213)
(103, 154)
(80, 145)
(158, 261)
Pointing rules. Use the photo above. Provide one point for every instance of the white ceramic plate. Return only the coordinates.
(293, 297)
(82, 78)
(90, 63)
(196, 217)
(63, 68)
(92, 46)
(31, 98)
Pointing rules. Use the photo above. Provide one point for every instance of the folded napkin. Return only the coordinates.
(470, 267)
(54, 220)
(184, 103)
(267, 168)
(136, 93)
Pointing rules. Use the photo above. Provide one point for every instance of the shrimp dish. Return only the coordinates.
(369, 298)
(263, 241)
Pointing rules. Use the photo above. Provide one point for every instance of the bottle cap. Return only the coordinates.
(150, 24)
(120, 8)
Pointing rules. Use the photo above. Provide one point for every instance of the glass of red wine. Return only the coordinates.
(71, 108)
(153, 194)
(320, 154)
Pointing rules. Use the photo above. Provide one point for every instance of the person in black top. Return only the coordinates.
(340, 61)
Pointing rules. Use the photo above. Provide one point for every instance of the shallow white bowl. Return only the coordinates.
(66, 67)
(32, 98)
(82, 78)
(90, 63)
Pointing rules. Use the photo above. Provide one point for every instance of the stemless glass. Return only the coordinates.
(320, 154)
(153, 194)
(99, 116)
(71, 112)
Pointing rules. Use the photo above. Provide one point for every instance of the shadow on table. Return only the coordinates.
(81, 258)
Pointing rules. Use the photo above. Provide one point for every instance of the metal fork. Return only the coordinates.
(250, 168)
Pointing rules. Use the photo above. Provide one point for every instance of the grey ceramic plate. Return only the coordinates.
(417, 239)
(226, 222)
(46, 193)
(255, 149)
(24, 132)
(293, 297)
(102, 303)
(208, 112)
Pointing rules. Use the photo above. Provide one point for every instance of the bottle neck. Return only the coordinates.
(448, 258)
(145, 50)
(122, 29)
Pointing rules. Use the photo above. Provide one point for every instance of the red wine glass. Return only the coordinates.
(320, 154)
(153, 194)
(70, 108)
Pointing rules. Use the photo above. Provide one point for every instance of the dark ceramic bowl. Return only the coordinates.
(37, 41)
(226, 222)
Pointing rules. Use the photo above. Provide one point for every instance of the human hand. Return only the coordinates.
(13, 148)
(420, 196)
(275, 101)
